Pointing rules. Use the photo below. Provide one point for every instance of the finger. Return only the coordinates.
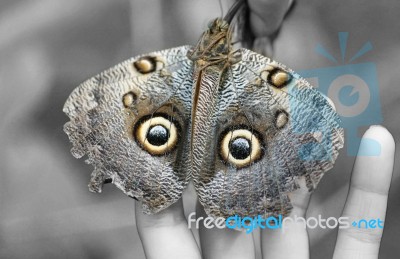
(291, 241)
(166, 234)
(367, 198)
(224, 243)
(266, 16)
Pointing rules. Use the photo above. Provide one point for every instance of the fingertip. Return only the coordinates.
(373, 168)
(381, 135)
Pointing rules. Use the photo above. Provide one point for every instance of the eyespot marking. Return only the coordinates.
(281, 119)
(157, 134)
(279, 78)
(240, 147)
(146, 65)
(129, 99)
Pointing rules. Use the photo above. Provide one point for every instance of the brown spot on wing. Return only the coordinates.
(145, 65)
(281, 119)
(129, 99)
(279, 78)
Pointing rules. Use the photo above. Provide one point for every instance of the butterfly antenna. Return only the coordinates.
(221, 8)
(236, 7)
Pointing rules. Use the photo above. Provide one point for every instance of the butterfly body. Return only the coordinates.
(235, 122)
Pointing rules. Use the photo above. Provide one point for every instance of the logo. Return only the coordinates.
(249, 224)
(353, 88)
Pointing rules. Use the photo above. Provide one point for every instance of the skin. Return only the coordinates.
(166, 234)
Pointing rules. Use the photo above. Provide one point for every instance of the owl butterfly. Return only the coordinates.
(243, 127)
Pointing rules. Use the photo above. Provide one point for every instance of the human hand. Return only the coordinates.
(166, 234)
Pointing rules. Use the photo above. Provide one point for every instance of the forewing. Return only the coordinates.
(131, 122)
(295, 128)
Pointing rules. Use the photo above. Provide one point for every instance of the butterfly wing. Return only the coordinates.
(131, 122)
(273, 129)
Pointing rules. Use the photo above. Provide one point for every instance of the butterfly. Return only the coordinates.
(243, 127)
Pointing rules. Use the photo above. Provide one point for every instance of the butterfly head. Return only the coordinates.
(214, 46)
(218, 25)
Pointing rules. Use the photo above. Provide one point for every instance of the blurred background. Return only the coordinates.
(48, 47)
